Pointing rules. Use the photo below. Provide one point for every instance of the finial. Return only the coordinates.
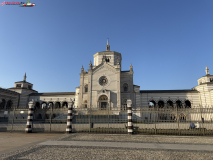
(131, 69)
(207, 70)
(82, 69)
(25, 77)
(90, 65)
(108, 46)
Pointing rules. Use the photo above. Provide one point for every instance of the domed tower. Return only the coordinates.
(110, 57)
(205, 87)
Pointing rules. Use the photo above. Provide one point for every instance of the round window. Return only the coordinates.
(103, 81)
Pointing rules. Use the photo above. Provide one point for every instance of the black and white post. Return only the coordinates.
(29, 126)
(69, 117)
(129, 112)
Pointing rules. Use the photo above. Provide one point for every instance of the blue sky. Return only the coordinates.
(168, 42)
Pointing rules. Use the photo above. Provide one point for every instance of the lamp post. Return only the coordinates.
(51, 107)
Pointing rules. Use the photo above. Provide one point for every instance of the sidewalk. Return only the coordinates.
(104, 146)
(16, 140)
(189, 147)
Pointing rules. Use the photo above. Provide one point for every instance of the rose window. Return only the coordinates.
(103, 81)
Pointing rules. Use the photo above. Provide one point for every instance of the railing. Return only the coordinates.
(113, 120)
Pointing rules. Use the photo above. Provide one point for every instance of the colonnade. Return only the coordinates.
(6, 103)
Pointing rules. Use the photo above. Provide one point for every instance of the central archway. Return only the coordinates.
(103, 101)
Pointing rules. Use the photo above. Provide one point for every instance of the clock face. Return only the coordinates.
(103, 81)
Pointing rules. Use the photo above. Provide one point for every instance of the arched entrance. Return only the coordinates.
(103, 101)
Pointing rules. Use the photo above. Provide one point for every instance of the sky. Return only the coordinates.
(168, 42)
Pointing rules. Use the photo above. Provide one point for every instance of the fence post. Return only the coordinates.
(201, 108)
(51, 107)
(129, 111)
(69, 117)
(13, 119)
(29, 127)
(177, 117)
(108, 116)
(155, 120)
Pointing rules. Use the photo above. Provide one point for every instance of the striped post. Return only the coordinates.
(29, 127)
(69, 117)
(129, 111)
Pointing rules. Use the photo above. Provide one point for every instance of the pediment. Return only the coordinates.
(105, 66)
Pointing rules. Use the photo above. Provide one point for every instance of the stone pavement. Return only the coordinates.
(115, 146)
(185, 147)
(11, 141)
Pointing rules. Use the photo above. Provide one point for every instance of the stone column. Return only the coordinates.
(28, 128)
(69, 117)
(129, 111)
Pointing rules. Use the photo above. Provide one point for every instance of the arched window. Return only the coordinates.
(50, 104)
(179, 104)
(86, 88)
(172, 117)
(57, 105)
(44, 105)
(161, 104)
(188, 104)
(182, 117)
(65, 105)
(170, 103)
(152, 104)
(85, 104)
(103, 97)
(125, 86)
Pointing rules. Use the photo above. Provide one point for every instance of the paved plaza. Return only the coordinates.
(103, 146)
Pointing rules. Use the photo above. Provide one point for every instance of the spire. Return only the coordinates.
(90, 65)
(130, 68)
(25, 77)
(108, 46)
(82, 69)
(207, 71)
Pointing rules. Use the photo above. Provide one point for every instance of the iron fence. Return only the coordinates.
(13, 120)
(173, 121)
(188, 121)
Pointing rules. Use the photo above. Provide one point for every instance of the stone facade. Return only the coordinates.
(105, 84)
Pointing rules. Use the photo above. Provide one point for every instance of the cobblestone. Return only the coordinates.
(75, 152)
(62, 152)
(139, 138)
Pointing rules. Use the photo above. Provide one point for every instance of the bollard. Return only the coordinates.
(29, 127)
(69, 117)
(129, 111)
